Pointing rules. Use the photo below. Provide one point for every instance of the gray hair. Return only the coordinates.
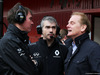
(48, 18)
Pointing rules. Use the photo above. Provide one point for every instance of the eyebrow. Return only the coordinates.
(51, 26)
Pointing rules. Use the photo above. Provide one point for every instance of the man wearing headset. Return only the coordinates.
(48, 53)
(14, 51)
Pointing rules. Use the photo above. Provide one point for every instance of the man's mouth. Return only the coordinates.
(69, 30)
(50, 34)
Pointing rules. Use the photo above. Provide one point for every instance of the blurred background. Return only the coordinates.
(60, 9)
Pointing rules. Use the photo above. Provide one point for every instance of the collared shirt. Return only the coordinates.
(74, 47)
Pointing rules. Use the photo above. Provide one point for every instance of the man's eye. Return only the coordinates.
(50, 27)
(53, 27)
(72, 23)
(47, 27)
(31, 18)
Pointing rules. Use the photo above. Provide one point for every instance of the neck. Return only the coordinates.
(19, 26)
(49, 42)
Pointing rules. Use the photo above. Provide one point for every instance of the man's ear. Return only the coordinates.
(83, 28)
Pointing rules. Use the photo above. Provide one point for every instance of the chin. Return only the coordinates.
(28, 30)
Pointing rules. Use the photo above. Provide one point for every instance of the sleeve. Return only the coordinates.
(15, 58)
(5, 69)
(32, 48)
(94, 60)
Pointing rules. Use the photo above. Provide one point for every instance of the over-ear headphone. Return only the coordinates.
(20, 15)
(39, 29)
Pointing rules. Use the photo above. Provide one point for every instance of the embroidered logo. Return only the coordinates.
(57, 52)
(36, 55)
(20, 52)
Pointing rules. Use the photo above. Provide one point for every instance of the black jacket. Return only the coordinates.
(85, 60)
(14, 53)
(68, 42)
(50, 59)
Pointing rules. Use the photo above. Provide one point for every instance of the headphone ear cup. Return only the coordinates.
(20, 15)
(58, 30)
(39, 29)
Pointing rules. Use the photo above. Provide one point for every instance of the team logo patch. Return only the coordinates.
(36, 55)
(20, 52)
(57, 53)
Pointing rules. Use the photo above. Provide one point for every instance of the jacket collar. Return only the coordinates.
(20, 34)
(43, 42)
(81, 38)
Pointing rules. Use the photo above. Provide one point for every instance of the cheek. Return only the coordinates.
(28, 26)
(54, 31)
(77, 30)
(26, 23)
(44, 31)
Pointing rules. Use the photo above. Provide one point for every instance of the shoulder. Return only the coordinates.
(32, 46)
(90, 46)
(90, 43)
(9, 39)
(95, 46)
(63, 48)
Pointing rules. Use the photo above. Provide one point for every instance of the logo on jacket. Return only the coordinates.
(20, 52)
(36, 54)
(57, 54)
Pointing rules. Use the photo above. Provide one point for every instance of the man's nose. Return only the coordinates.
(67, 25)
(51, 29)
(32, 22)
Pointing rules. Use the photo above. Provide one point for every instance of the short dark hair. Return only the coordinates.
(12, 13)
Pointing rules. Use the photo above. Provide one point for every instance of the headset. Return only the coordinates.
(20, 15)
(39, 29)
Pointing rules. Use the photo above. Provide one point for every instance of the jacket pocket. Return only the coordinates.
(82, 65)
(80, 61)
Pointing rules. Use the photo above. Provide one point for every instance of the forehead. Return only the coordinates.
(29, 14)
(75, 18)
(47, 23)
